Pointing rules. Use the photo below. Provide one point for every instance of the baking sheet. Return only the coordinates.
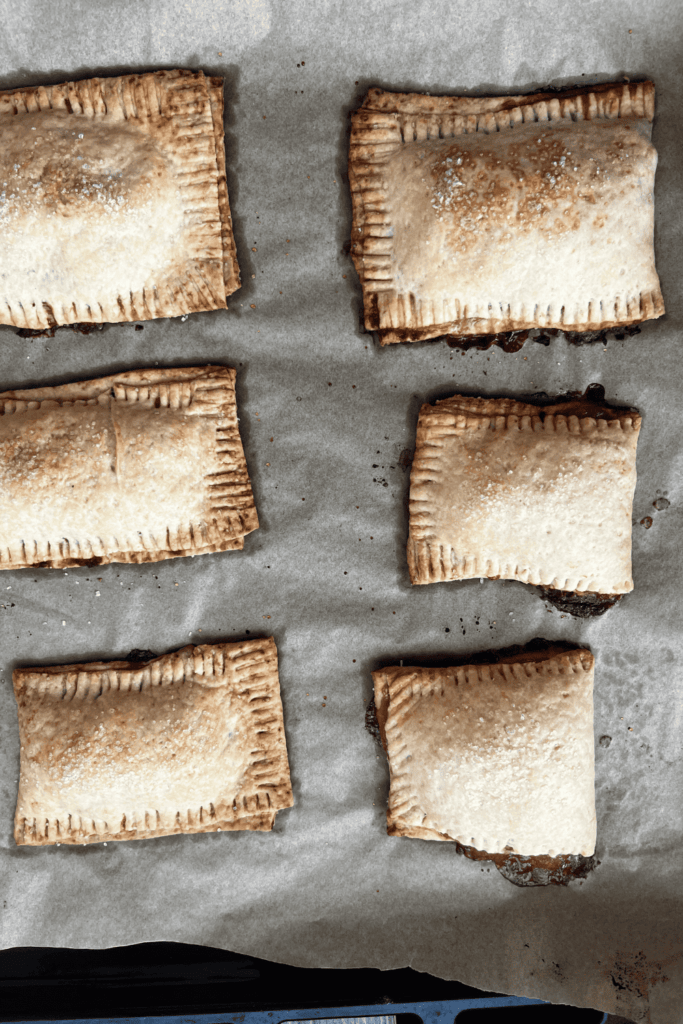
(326, 416)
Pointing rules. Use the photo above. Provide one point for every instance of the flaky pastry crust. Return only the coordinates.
(508, 490)
(497, 757)
(189, 742)
(136, 467)
(114, 202)
(481, 215)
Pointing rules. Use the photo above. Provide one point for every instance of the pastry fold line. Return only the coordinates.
(189, 742)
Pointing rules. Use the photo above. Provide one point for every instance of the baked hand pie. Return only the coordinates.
(497, 757)
(190, 742)
(508, 490)
(136, 467)
(114, 202)
(480, 215)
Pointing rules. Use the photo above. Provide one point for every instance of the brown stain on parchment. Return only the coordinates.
(633, 975)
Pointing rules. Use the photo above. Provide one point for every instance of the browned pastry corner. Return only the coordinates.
(488, 216)
(189, 742)
(136, 467)
(115, 203)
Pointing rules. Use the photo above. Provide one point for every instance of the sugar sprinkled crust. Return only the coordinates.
(189, 742)
(477, 215)
(136, 467)
(499, 757)
(114, 203)
(507, 490)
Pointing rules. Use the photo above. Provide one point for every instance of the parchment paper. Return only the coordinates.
(326, 415)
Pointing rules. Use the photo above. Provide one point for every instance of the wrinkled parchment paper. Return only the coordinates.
(325, 417)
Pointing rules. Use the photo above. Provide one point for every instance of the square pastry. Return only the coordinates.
(498, 757)
(114, 202)
(136, 467)
(506, 490)
(189, 742)
(480, 215)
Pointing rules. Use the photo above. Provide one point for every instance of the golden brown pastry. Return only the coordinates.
(135, 467)
(480, 215)
(498, 757)
(113, 200)
(507, 490)
(188, 742)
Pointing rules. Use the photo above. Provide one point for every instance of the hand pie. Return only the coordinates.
(479, 215)
(189, 742)
(136, 467)
(114, 203)
(505, 490)
(497, 757)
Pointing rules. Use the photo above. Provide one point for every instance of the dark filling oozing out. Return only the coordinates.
(580, 605)
(49, 332)
(137, 654)
(522, 871)
(512, 341)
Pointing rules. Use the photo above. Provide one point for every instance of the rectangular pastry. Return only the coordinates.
(508, 490)
(480, 215)
(114, 202)
(499, 757)
(136, 467)
(189, 742)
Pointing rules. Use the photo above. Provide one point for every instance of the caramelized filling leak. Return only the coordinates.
(49, 332)
(512, 341)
